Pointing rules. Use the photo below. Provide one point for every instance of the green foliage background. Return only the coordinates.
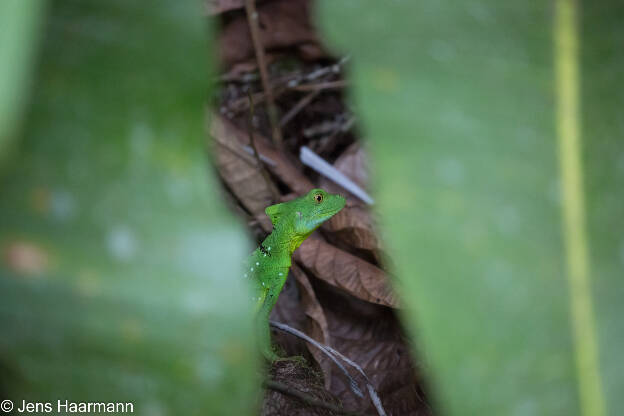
(118, 257)
(458, 100)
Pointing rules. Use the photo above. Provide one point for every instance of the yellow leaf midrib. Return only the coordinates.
(566, 50)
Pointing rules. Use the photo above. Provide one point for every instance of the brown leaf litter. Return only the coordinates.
(338, 291)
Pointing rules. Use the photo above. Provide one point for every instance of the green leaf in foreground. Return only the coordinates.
(463, 103)
(118, 259)
(19, 30)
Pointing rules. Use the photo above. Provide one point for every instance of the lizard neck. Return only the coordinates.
(280, 245)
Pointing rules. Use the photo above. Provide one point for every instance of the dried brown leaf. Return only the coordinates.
(354, 226)
(297, 378)
(214, 7)
(285, 170)
(371, 336)
(353, 162)
(346, 271)
(283, 24)
(239, 170)
(279, 164)
(317, 324)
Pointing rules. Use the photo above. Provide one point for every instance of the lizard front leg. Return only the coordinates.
(265, 304)
(271, 286)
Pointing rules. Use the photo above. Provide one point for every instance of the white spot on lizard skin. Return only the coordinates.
(281, 274)
(264, 254)
(257, 263)
(251, 269)
(262, 283)
(245, 274)
(269, 248)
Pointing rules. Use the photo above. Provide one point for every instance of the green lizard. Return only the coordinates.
(268, 265)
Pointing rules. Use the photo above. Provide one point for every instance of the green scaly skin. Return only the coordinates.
(268, 265)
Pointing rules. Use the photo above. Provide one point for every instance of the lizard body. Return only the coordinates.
(268, 266)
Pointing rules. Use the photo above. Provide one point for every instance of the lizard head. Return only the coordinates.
(305, 214)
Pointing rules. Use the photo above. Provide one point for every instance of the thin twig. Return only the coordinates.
(241, 104)
(283, 327)
(254, 29)
(321, 86)
(298, 107)
(263, 158)
(371, 390)
(311, 159)
(252, 142)
(244, 152)
(288, 82)
(306, 398)
(333, 354)
(235, 150)
(318, 73)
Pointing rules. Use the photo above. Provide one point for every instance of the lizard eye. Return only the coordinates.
(318, 198)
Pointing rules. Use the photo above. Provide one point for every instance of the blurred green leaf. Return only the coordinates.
(119, 262)
(19, 30)
(459, 102)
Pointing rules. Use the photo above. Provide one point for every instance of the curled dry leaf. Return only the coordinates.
(214, 7)
(353, 162)
(317, 324)
(346, 271)
(284, 169)
(283, 24)
(371, 335)
(279, 165)
(354, 226)
(239, 170)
